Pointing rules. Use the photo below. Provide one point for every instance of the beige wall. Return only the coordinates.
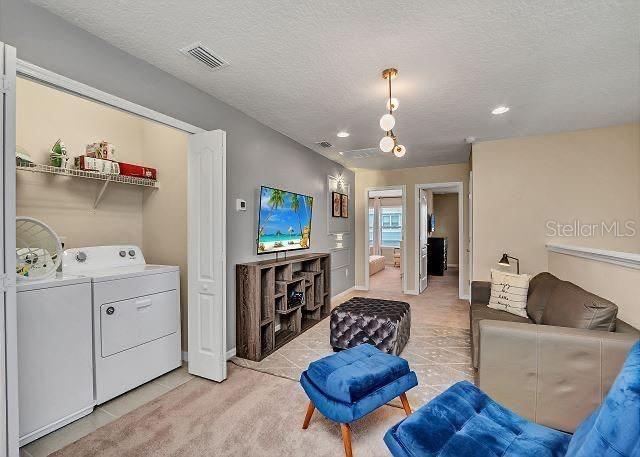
(164, 211)
(66, 204)
(409, 177)
(155, 220)
(445, 207)
(521, 184)
(619, 284)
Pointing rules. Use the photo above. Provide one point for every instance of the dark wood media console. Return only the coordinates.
(262, 293)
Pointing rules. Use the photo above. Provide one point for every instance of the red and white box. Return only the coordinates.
(100, 165)
(137, 171)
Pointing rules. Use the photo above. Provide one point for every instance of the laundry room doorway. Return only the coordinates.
(107, 201)
(204, 205)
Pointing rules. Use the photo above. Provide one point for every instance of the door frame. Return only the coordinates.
(419, 246)
(57, 81)
(9, 422)
(456, 187)
(365, 245)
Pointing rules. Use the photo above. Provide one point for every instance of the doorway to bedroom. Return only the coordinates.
(386, 240)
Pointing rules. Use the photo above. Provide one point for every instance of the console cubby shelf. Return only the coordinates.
(262, 301)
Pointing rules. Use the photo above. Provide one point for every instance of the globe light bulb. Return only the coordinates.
(387, 122)
(399, 150)
(392, 104)
(387, 143)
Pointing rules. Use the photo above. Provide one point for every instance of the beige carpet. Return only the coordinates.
(440, 356)
(250, 414)
(258, 414)
(439, 353)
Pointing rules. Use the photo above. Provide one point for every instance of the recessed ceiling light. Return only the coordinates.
(343, 134)
(500, 110)
(341, 153)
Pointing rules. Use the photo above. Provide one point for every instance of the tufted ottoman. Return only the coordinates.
(350, 384)
(386, 324)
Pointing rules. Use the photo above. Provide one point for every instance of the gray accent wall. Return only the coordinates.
(256, 154)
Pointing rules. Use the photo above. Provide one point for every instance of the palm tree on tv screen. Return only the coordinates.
(308, 201)
(295, 206)
(276, 200)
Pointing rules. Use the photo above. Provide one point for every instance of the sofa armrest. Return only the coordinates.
(554, 376)
(480, 292)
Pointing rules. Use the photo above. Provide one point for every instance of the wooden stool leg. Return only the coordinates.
(310, 409)
(405, 404)
(346, 437)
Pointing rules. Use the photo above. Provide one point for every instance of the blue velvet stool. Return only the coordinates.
(464, 421)
(350, 384)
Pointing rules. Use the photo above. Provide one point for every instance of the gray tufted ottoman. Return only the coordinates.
(386, 324)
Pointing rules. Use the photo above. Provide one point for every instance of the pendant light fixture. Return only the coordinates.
(389, 142)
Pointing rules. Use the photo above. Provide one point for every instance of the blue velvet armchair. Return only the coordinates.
(464, 421)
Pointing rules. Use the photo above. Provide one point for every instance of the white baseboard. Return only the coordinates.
(359, 288)
(411, 292)
(343, 293)
(465, 297)
(230, 353)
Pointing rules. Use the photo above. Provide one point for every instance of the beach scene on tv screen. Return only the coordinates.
(285, 221)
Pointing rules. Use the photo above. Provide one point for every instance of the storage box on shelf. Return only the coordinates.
(262, 292)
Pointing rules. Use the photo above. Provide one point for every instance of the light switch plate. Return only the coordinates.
(241, 205)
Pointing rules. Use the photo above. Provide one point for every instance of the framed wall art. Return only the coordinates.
(344, 205)
(337, 204)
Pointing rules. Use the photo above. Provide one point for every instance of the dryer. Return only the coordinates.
(136, 316)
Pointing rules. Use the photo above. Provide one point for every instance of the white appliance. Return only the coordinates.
(55, 356)
(55, 337)
(136, 316)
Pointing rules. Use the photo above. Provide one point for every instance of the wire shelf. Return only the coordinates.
(40, 168)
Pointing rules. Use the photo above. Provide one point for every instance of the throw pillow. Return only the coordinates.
(572, 306)
(540, 288)
(509, 292)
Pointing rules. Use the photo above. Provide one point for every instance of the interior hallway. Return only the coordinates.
(437, 305)
(388, 280)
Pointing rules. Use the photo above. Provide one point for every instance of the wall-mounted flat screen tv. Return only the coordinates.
(284, 222)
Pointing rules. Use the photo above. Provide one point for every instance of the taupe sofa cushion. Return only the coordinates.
(572, 306)
(480, 311)
(540, 288)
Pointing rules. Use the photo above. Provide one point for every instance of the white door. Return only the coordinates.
(207, 251)
(8, 310)
(423, 239)
(470, 250)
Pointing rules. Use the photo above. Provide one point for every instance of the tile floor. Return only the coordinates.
(106, 413)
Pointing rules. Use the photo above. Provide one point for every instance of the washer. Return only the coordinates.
(55, 354)
(136, 316)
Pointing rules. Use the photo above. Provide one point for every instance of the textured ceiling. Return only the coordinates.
(310, 68)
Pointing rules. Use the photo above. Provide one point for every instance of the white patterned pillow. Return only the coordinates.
(509, 292)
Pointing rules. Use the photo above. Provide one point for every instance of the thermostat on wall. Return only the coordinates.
(241, 205)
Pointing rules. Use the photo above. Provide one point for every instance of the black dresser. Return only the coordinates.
(436, 255)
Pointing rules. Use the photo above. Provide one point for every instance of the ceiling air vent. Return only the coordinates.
(363, 153)
(324, 144)
(205, 56)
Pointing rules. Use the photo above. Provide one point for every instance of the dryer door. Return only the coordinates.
(129, 323)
